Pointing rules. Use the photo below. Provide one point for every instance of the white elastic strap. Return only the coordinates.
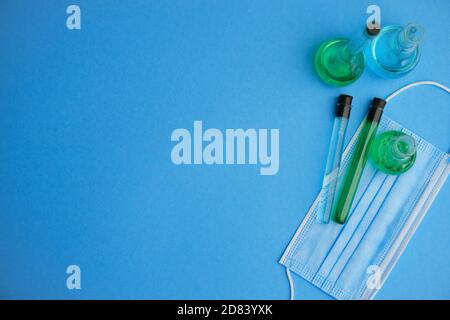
(414, 84)
(291, 284)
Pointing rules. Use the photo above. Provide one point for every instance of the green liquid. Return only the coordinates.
(335, 65)
(354, 171)
(393, 152)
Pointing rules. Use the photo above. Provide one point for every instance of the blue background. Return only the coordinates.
(86, 118)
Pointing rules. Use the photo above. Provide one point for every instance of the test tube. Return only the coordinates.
(358, 161)
(329, 183)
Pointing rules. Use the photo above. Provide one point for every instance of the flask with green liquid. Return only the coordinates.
(340, 62)
(393, 152)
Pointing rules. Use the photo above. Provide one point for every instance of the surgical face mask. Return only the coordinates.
(353, 260)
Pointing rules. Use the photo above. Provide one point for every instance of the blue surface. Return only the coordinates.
(85, 144)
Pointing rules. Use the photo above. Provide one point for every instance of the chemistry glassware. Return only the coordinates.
(396, 50)
(358, 161)
(342, 111)
(393, 152)
(340, 62)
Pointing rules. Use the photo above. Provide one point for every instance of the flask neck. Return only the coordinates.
(409, 38)
(402, 147)
(355, 45)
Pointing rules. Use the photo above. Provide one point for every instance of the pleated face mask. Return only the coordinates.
(353, 260)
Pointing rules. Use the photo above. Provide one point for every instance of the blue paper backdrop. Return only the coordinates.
(86, 118)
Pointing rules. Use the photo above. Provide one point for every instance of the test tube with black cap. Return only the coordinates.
(358, 161)
(342, 112)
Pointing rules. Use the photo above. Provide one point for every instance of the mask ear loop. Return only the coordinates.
(414, 84)
(291, 284)
(389, 98)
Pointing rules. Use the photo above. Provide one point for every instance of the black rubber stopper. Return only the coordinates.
(344, 106)
(376, 109)
(373, 31)
(378, 103)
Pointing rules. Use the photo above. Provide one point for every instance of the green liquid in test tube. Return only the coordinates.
(358, 161)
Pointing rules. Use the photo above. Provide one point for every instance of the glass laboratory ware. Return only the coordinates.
(342, 112)
(358, 161)
(396, 50)
(393, 152)
(340, 62)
